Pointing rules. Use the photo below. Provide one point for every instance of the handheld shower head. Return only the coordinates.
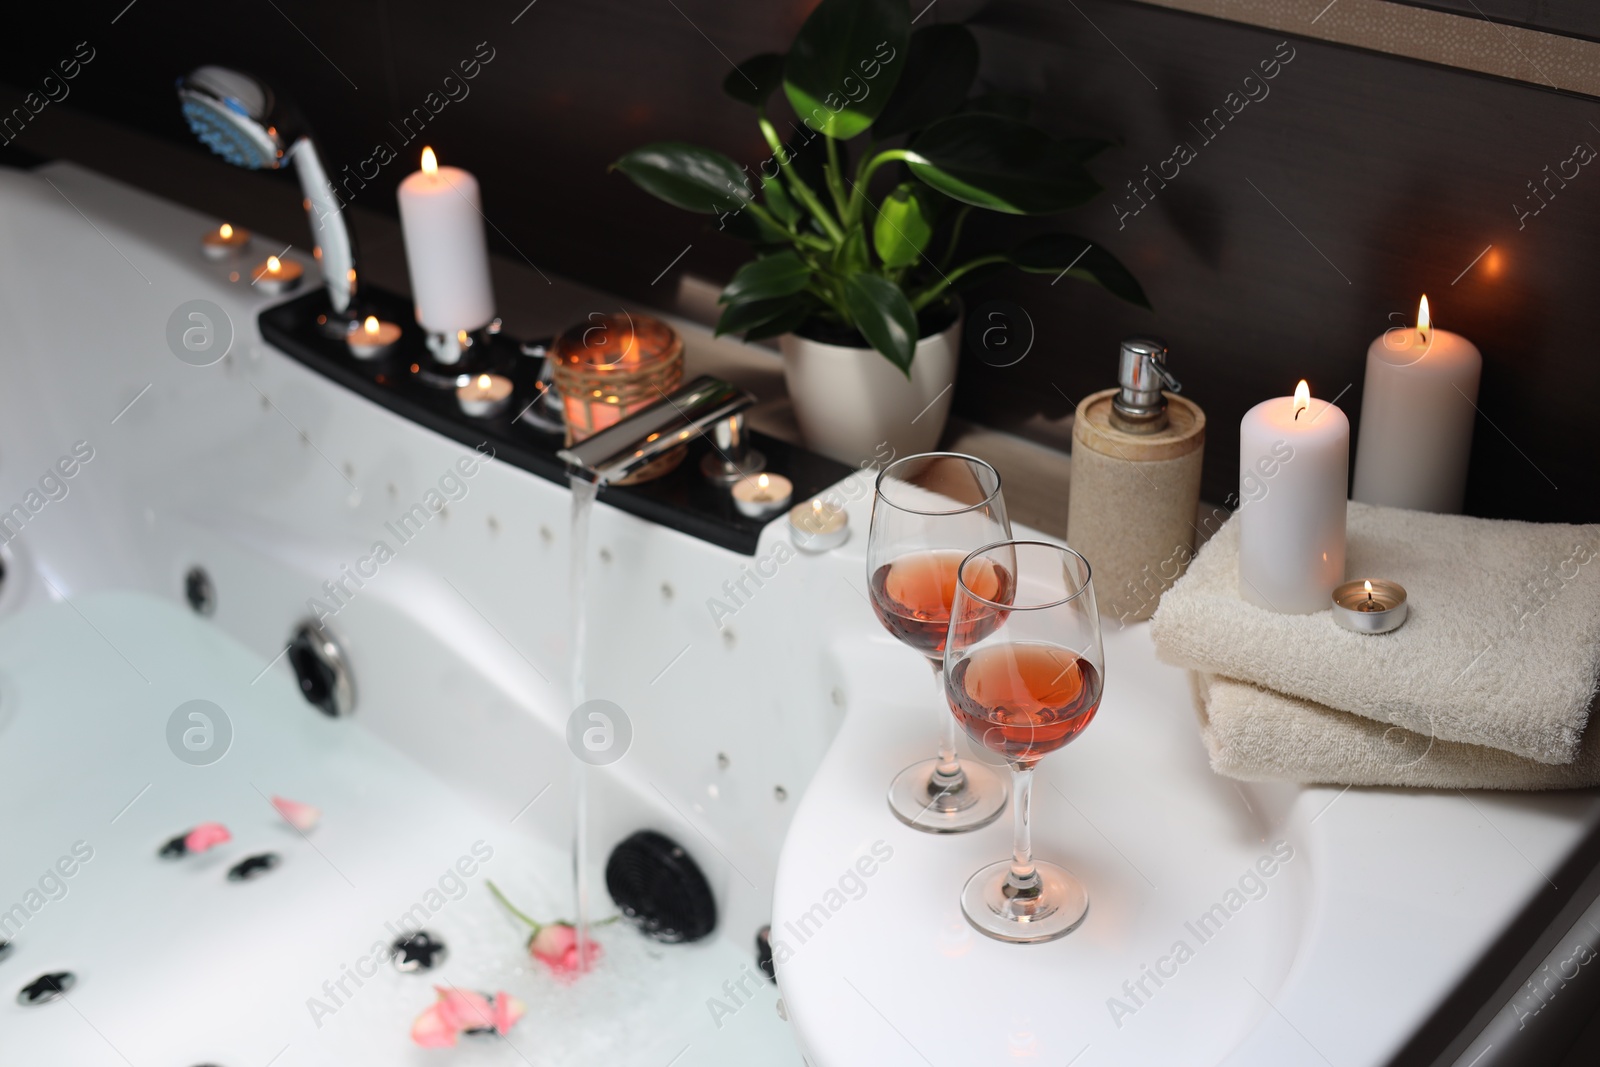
(242, 120)
(232, 114)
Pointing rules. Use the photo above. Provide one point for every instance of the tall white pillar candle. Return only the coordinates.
(445, 248)
(1294, 466)
(1417, 413)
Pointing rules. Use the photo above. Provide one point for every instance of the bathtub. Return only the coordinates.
(1358, 927)
(455, 759)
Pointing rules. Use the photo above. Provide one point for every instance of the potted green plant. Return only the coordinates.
(861, 289)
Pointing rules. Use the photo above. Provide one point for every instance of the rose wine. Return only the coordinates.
(1023, 700)
(912, 597)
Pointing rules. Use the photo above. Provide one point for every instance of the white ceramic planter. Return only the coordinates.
(850, 402)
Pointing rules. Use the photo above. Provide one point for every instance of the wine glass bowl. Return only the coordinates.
(1024, 673)
(929, 511)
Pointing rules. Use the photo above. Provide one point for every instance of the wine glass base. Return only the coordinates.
(1060, 908)
(978, 803)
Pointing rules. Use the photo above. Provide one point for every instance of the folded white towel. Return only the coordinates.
(1501, 647)
(1258, 735)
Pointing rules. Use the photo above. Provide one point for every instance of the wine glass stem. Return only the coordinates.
(948, 773)
(1023, 878)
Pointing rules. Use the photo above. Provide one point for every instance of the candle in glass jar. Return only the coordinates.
(1294, 466)
(446, 253)
(1417, 411)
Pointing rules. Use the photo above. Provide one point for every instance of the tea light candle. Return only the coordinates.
(224, 241)
(817, 526)
(483, 396)
(759, 495)
(1417, 413)
(372, 337)
(446, 253)
(1294, 466)
(1369, 606)
(276, 275)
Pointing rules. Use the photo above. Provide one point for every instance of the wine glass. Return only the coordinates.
(1024, 671)
(930, 510)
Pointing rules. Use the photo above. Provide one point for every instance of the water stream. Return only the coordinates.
(583, 496)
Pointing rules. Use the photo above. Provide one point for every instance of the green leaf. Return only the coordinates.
(787, 322)
(1002, 164)
(904, 226)
(779, 202)
(748, 226)
(753, 314)
(1055, 253)
(770, 276)
(883, 315)
(754, 80)
(941, 62)
(851, 256)
(844, 63)
(687, 176)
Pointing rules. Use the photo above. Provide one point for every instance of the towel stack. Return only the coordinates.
(1488, 685)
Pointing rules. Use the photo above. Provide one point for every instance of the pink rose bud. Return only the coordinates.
(300, 816)
(556, 946)
(206, 835)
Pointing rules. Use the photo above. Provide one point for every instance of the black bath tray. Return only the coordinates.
(399, 380)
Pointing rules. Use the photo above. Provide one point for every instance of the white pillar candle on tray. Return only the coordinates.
(1417, 412)
(445, 249)
(1294, 466)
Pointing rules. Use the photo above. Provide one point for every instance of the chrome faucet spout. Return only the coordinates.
(707, 405)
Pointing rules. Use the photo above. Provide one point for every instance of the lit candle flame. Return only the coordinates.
(430, 162)
(371, 325)
(1302, 398)
(462, 339)
(225, 232)
(763, 481)
(1424, 323)
(273, 266)
(816, 507)
(1368, 584)
(483, 383)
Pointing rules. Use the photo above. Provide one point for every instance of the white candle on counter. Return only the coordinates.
(1294, 466)
(1417, 412)
(277, 276)
(445, 248)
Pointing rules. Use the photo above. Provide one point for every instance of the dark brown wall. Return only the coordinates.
(1279, 252)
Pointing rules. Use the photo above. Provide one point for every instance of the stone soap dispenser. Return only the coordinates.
(1136, 453)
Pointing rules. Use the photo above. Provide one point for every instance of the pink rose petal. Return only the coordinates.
(432, 1029)
(464, 1009)
(507, 1010)
(300, 816)
(556, 946)
(206, 835)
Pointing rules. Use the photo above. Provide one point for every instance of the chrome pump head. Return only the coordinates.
(242, 120)
(1140, 406)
